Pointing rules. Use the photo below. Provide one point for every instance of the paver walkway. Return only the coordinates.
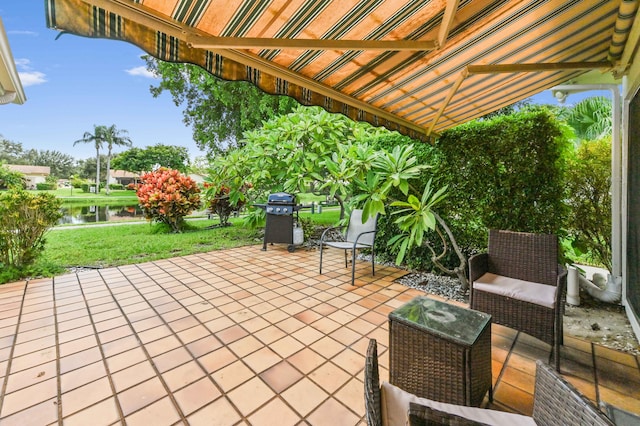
(231, 337)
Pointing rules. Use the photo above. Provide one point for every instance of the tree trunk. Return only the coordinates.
(459, 271)
(97, 170)
(108, 171)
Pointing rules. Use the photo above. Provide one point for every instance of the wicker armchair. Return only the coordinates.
(531, 262)
(357, 235)
(555, 402)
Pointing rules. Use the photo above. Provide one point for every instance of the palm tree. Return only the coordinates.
(591, 118)
(98, 138)
(114, 137)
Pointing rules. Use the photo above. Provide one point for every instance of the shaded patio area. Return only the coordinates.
(239, 336)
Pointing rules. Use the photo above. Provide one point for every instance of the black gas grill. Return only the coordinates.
(280, 209)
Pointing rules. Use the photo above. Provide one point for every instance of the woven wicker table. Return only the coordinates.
(440, 351)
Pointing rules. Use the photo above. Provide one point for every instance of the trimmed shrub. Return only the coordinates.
(116, 186)
(45, 186)
(167, 196)
(24, 219)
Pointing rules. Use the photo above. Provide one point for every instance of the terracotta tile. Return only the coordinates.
(269, 334)
(350, 361)
(141, 395)
(518, 379)
(115, 347)
(196, 395)
(245, 346)
(28, 377)
(327, 347)
(26, 397)
(281, 376)
(620, 399)
(183, 375)
(171, 359)
(514, 398)
(275, 409)
(161, 346)
(329, 377)
(306, 360)
(154, 334)
(304, 396)
(43, 413)
(333, 413)
(82, 376)
(251, 395)
(85, 396)
(125, 359)
(618, 376)
(262, 359)
(232, 375)
(133, 375)
(79, 359)
(351, 395)
(231, 334)
(217, 359)
(204, 346)
(219, 413)
(325, 325)
(160, 412)
(286, 346)
(78, 345)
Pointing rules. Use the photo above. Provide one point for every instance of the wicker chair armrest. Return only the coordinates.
(561, 288)
(557, 402)
(478, 266)
(372, 397)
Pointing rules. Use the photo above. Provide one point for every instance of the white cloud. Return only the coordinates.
(31, 78)
(141, 71)
(23, 32)
(28, 76)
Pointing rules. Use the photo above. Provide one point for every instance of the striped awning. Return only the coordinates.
(415, 66)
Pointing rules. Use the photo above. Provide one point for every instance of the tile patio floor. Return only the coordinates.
(232, 337)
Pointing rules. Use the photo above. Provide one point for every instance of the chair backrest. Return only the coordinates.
(557, 402)
(356, 227)
(523, 255)
(372, 397)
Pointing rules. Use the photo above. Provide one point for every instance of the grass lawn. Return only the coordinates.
(102, 246)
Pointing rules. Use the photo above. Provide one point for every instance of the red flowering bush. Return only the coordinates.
(223, 202)
(167, 196)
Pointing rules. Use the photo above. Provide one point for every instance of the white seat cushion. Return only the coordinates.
(527, 291)
(345, 245)
(395, 408)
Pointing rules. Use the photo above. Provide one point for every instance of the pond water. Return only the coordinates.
(77, 213)
(74, 214)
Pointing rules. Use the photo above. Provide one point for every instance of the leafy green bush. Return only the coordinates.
(45, 186)
(167, 196)
(11, 179)
(116, 186)
(24, 219)
(506, 172)
(588, 184)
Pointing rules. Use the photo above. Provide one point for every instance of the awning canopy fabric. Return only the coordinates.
(415, 66)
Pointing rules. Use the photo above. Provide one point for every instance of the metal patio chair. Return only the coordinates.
(357, 235)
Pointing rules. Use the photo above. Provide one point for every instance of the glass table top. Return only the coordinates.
(451, 322)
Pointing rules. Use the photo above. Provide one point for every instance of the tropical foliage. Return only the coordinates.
(218, 111)
(139, 160)
(589, 199)
(167, 196)
(24, 219)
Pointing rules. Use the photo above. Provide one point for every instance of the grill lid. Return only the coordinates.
(281, 198)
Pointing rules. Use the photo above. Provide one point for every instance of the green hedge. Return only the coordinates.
(507, 172)
(45, 186)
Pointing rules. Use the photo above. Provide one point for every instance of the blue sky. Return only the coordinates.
(74, 83)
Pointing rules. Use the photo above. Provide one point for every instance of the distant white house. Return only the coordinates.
(199, 179)
(123, 177)
(32, 174)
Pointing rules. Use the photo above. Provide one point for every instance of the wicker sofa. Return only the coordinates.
(520, 283)
(556, 402)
